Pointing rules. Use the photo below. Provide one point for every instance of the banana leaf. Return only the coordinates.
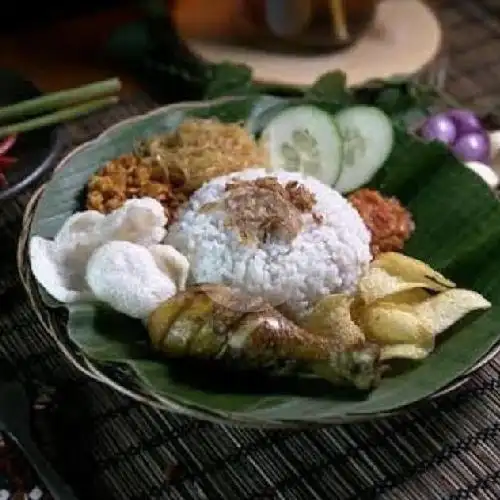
(458, 232)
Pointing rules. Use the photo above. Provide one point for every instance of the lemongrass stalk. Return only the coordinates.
(339, 20)
(61, 99)
(60, 116)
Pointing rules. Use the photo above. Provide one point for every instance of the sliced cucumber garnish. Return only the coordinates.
(368, 137)
(305, 139)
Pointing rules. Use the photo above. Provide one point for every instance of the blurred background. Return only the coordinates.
(63, 45)
(44, 37)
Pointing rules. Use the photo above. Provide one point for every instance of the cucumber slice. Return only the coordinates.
(305, 139)
(368, 138)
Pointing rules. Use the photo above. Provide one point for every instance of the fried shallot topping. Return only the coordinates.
(130, 176)
(263, 207)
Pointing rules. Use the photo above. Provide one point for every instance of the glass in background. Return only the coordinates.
(287, 25)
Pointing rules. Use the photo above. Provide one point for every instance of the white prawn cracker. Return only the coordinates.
(59, 264)
(172, 263)
(126, 276)
(58, 281)
(140, 220)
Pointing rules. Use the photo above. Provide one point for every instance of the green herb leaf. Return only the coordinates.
(228, 79)
(405, 101)
(331, 87)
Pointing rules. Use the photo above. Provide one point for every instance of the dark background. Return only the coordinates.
(18, 14)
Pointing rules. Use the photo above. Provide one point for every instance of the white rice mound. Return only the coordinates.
(324, 258)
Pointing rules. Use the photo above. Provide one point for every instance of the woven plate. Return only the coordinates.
(122, 380)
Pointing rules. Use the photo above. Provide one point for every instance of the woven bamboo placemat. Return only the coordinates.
(111, 448)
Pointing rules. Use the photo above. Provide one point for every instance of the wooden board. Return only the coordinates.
(406, 36)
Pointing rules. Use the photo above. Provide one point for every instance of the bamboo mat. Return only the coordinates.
(111, 448)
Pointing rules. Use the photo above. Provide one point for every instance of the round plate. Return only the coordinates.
(99, 345)
(35, 151)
